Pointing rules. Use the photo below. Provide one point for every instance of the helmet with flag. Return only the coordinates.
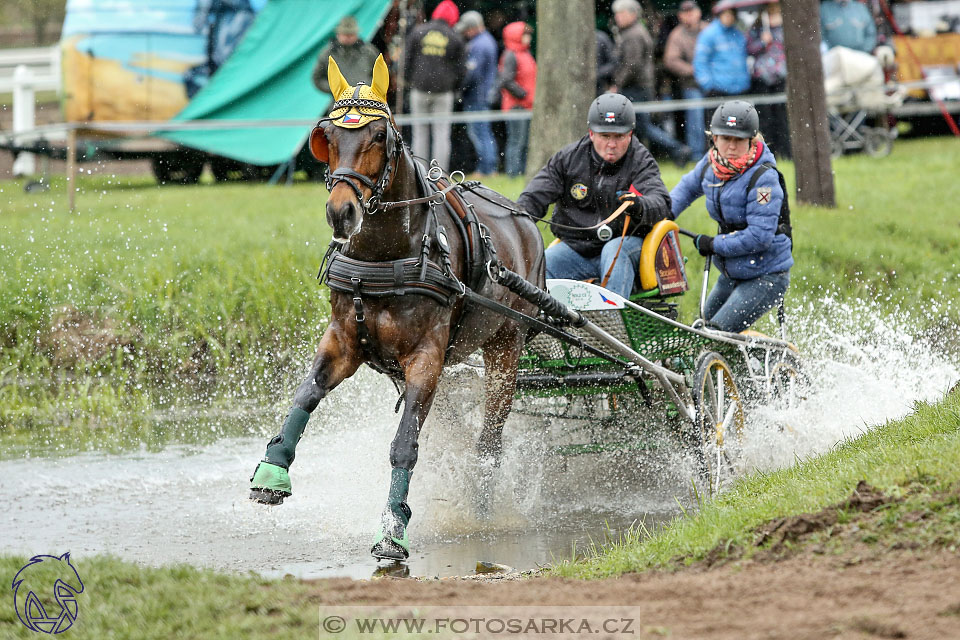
(735, 118)
(611, 113)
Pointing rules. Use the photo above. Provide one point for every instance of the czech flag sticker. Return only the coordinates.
(351, 118)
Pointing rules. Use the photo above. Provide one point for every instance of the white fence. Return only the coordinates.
(23, 72)
(43, 64)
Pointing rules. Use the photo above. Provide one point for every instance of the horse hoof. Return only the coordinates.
(268, 496)
(388, 549)
(270, 484)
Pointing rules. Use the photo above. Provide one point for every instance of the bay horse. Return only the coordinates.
(396, 282)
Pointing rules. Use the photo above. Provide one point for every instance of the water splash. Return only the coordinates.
(864, 368)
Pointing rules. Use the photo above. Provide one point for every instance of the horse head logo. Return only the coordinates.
(358, 156)
(42, 585)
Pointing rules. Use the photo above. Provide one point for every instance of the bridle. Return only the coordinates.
(393, 145)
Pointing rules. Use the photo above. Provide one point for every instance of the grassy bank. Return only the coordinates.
(152, 297)
(912, 461)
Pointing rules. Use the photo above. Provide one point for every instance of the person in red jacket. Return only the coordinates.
(518, 80)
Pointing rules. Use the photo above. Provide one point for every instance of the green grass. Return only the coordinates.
(122, 600)
(913, 458)
(151, 297)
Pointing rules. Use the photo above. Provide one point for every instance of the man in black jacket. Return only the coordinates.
(435, 63)
(588, 180)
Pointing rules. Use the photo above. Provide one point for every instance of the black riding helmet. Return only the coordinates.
(735, 118)
(611, 113)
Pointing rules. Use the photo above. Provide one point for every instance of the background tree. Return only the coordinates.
(566, 77)
(39, 14)
(806, 103)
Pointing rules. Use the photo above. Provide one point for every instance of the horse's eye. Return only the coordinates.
(380, 136)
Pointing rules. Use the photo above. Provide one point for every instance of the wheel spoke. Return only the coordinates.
(710, 391)
(720, 390)
(728, 418)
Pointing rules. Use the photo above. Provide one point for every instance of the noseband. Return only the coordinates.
(393, 147)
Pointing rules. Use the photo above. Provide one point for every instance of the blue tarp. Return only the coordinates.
(268, 78)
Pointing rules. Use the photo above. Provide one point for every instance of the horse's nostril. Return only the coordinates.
(343, 218)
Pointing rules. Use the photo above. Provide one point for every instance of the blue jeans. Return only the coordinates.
(515, 161)
(734, 305)
(481, 135)
(693, 123)
(564, 262)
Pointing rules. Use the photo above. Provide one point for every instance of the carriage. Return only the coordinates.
(695, 380)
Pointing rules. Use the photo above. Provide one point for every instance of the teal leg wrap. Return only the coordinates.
(399, 486)
(282, 449)
(392, 542)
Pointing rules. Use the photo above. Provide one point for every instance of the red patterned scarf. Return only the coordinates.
(725, 169)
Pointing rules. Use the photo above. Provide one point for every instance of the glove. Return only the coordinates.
(635, 208)
(704, 244)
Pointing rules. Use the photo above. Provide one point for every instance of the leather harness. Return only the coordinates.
(417, 275)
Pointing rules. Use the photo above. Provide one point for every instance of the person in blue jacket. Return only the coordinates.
(480, 87)
(720, 56)
(848, 24)
(752, 250)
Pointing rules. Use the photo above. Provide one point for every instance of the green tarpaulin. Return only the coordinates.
(268, 78)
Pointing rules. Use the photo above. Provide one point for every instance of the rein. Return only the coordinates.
(520, 212)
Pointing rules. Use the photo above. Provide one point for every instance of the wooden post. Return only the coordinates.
(806, 103)
(72, 167)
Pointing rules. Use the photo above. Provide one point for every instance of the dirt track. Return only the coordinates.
(901, 594)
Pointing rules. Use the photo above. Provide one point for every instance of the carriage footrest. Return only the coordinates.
(541, 381)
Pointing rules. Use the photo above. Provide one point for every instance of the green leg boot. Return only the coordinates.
(270, 483)
(392, 542)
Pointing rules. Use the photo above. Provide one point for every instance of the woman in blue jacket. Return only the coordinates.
(752, 250)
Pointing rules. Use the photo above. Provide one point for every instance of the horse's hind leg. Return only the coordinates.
(334, 362)
(422, 374)
(500, 356)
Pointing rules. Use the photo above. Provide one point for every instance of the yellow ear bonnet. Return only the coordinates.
(374, 97)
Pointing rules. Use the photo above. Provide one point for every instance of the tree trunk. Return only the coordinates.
(566, 77)
(40, 31)
(806, 103)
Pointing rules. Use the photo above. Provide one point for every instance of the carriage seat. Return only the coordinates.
(662, 271)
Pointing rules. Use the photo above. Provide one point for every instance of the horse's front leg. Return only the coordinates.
(422, 371)
(336, 360)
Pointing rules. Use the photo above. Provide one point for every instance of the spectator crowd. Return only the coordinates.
(452, 62)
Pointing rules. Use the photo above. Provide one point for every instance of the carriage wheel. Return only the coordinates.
(786, 383)
(719, 420)
(877, 142)
(178, 167)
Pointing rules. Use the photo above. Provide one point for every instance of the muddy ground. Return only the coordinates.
(899, 594)
(808, 576)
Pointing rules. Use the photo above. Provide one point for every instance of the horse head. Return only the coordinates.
(361, 146)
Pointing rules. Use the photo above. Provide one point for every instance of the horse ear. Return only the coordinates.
(336, 80)
(381, 78)
(319, 146)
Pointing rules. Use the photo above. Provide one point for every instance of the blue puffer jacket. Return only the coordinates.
(757, 249)
(720, 59)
